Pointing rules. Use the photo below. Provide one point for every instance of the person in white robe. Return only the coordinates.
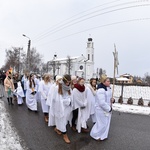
(44, 88)
(24, 83)
(51, 102)
(37, 84)
(31, 94)
(103, 110)
(80, 107)
(19, 93)
(91, 94)
(63, 108)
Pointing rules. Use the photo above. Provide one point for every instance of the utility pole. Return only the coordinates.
(28, 53)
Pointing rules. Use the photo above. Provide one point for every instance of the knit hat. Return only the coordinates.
(73, 77)
(58, 77)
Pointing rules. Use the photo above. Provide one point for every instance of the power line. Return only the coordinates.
(107, 12)
(78, 15)
(101, 26)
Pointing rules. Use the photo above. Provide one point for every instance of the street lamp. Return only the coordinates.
(28, 52)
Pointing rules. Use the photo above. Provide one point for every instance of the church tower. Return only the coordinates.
(89, 62)
(90, 50)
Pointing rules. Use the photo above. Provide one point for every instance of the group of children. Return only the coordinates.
(67, 100)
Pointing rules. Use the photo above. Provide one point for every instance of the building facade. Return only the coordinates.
(82, 66)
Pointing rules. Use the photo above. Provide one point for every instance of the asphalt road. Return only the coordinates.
(127, 132)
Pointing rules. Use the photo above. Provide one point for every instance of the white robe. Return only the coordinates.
(80, 100)
(43, 90)
(62, 109)
(30, 98)
(20, 93)
(51, 103)
(37, 84)
(91, 100)
(103, 116)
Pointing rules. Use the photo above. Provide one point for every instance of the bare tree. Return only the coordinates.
(15, 58)
(147, 78)
(35, 60)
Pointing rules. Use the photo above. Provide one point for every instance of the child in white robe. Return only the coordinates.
(50, 102)
(31, 94)
(20, 94)
(44, 88)
(91, 94)
(80, 107)
(103, 110)
(62, 107)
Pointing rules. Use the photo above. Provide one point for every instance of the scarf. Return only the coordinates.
(91, 88)
(65, 87)
(101, 85)
(79, 87)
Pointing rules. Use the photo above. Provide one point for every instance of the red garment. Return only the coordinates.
(79, 87)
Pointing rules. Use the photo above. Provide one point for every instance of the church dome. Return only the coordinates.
(90, 39)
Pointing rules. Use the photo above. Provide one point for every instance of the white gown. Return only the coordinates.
(37, 84)
(103, 116)
(30, 98)
(43, 90)
(80, 100)
(91, 100)
(20, 93)
(50, 102)
(62, 109)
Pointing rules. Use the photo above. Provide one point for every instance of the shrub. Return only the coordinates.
(141, 102)
(130, 101)
(120, 100)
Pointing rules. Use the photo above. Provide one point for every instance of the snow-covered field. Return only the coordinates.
(135, 92)
(9, 140)
(131, 109)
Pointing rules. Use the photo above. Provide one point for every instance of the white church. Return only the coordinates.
(82, 66)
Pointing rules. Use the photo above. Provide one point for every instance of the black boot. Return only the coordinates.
(8, 100)
(11, 101)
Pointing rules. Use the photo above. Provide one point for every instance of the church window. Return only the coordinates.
(92, 57)
(88, 56)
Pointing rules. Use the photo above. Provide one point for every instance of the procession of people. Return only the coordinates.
(64, 100)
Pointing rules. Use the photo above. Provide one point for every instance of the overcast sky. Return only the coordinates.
(36, 18)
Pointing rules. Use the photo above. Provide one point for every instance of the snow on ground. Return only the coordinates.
(131, 109)
(9, 140)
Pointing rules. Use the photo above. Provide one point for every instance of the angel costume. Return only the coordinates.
(103, 113)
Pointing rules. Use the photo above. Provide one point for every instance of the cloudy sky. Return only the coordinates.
(63, 27)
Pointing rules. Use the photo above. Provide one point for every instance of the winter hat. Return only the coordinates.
(58, 77)
(73, 77)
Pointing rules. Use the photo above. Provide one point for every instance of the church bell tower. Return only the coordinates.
(90, 50)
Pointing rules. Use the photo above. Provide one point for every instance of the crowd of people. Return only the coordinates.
(64, 100)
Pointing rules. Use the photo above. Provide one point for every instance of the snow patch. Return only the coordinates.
(9, 140)
(131, 109)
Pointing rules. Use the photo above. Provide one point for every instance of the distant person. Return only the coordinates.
(9, 87)
(103, 110)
